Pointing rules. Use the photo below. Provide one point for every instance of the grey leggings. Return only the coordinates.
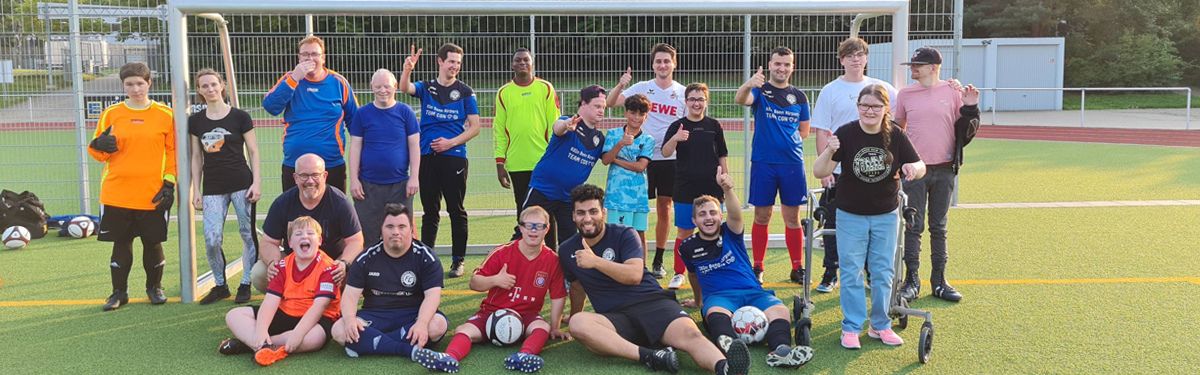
(215, 209)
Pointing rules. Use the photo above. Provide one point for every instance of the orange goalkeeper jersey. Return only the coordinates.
(145, 154)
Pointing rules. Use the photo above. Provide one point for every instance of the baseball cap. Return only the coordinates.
(590, 92)
(924, 56)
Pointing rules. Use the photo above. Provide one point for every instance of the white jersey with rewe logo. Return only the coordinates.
(666, 106)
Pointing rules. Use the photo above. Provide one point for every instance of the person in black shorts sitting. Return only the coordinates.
(634, 315)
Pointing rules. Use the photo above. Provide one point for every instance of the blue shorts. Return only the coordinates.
(736, 298)
(637, 220)
(683, 216)
(787, 179)
(391, 320)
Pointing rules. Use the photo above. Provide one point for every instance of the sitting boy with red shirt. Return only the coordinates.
(300, 306)
(517, 276)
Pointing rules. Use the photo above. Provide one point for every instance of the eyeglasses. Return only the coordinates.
(870, 107)
(534, 227)
(311, 54)
(696, 99)
(309, 176)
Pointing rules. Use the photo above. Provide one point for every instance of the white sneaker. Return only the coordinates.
(676, 281)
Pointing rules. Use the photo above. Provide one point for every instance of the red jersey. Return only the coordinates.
(534, 279)
(298, 288)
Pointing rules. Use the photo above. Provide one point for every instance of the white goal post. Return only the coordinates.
(180, 72)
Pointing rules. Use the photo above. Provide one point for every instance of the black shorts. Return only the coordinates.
(645, 323)
(118, 224)
(660, 177)
(282, 322)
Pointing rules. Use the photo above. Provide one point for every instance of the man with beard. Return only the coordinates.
(400, 282)
(342, 237)
(666, 106)
(777, 160)
(716, 257)
(526, 110)
(633, 314)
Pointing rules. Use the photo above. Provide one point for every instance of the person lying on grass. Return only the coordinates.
(299, 308)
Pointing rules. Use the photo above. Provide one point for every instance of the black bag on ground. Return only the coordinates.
(24, 209)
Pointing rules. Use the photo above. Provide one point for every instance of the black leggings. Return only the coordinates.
(444, 177)
(122, 260)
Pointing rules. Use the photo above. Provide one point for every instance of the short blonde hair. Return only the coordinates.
(304, 222)
(535, 210)
(313, 39)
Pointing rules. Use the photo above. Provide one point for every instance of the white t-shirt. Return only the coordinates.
(666, 106)
(837, 104)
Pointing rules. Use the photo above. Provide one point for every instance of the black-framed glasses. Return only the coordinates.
(696, 99)
(535, 226)
(870, 107)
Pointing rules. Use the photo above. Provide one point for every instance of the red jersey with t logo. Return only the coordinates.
(534, 279)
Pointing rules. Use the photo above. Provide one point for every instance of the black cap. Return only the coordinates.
(590, 92)
(925, 56)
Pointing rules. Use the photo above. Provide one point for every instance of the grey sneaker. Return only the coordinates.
(659, 272)
(785, 356)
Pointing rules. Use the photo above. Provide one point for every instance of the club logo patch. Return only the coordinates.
(539, 280)
(609, 254)
(454, 95)
(791, 98)
(408, 279)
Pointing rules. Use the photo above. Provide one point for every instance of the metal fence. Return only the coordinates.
(43, 143)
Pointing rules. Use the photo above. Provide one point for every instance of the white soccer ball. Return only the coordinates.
(504, 327)
(15, 237)
(81, 227)
(750, 324)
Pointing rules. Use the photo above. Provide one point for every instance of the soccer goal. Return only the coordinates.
(577, 43)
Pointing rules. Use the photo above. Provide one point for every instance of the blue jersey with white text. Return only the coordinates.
(444, 111)
(777, 116)
(568, 162)
(720, 264)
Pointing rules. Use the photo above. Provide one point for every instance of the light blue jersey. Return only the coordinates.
(627, 189)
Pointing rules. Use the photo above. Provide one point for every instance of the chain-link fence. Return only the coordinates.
(43, 144)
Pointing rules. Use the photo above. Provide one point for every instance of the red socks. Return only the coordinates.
(460, 346)
(758, 243)
(679, 267)
(534, 343)
(794, 238)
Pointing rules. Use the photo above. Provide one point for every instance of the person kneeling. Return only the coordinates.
(299, 308)
(716, 258)
(399, 280)
(517, 276)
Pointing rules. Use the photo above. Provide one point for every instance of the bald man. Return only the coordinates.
(381, 167)
(341, 236)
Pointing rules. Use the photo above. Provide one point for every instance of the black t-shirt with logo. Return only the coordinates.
(222, 141)
(619, 244)
(868, 184)
(697, 158)
(395, 283)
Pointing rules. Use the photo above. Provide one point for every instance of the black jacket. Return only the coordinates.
(964, 131)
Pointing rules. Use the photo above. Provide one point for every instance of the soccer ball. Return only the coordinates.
(750, 324)
(81, 227)
(504, 327)
(15, 237)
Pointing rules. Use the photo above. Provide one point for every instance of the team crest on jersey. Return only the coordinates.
(791, 99)
(539, 280)
(454, 95)
(596, 139)
(674, 95)
(609, 254)
(408, 279)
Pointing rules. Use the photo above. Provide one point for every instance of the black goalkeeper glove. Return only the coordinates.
(165, 197)
(105, 142)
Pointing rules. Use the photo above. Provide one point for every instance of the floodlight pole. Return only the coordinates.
(177, 35)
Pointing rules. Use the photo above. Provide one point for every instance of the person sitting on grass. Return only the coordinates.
(716, 258)
(399, 281)
(517, 276)
(300, 306)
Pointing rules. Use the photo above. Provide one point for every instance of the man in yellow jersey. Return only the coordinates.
(526, 109)
(135, 140)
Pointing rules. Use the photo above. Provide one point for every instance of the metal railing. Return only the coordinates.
(1083, 98)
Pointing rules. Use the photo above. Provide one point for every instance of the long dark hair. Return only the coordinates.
(885, 125)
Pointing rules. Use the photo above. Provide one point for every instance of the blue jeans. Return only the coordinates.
(871, 241)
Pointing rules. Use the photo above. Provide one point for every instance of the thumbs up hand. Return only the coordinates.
(626, 78)
(503, 279)
(585, 258)
(723, 179)
(757, 79)
(105, 142)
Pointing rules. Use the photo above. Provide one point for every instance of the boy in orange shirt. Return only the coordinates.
(135, 139)
(300, 306)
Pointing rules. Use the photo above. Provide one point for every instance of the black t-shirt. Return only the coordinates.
(334, 213)
(620, 243)
(697, 158)
(395, 283)
(225, 167)
(868, 185)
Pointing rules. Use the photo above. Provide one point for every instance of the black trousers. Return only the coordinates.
(337, 178)
(520, 187)
(444, 177)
